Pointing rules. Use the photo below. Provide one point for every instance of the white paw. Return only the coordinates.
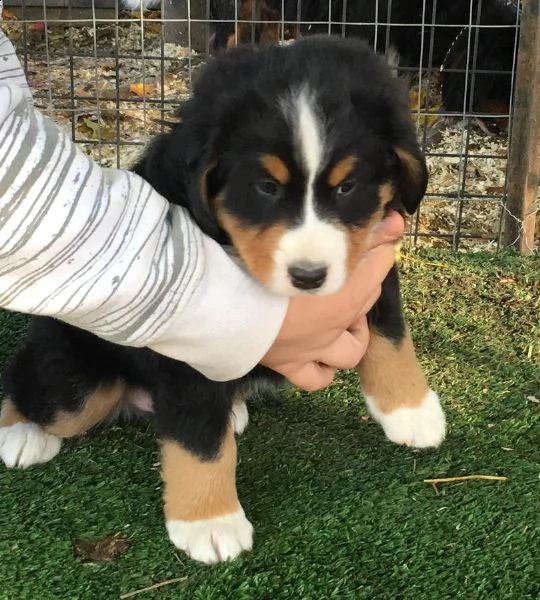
(240, 417)
(213, 540)
(26, 444)
(421, 427)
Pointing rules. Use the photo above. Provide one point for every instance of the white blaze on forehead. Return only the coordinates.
(315, 239)
(309, 134)
(300, 109)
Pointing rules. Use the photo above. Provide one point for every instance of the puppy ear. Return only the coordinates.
(412, 176)
(386, 100)
(203, 191)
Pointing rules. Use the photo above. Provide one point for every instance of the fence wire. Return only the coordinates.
(112, 72)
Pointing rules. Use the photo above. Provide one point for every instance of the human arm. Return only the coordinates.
(101, 250)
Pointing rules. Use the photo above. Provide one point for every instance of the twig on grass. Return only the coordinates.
(153, 587)
(405, 257)
(465, 478)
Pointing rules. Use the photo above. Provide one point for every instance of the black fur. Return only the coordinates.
(231, 118)
(386, 316)
(430, 34)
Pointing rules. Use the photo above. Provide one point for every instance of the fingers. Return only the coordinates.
(311, 376)
(370, 273)
(345, 353)
(368, 305)
(390, 230)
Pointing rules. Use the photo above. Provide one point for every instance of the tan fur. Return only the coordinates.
(270, 34)
(255, 246)
(359, 237)
(196, 489)
(391, 375)
(9, 415)
(96, 408)
(203, 189)
(258, 13)
(341, 171)
(276, 167)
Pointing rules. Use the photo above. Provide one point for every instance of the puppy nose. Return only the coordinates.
(306, 275)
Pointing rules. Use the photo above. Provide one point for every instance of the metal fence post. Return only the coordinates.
(188, 33)
(524, 152)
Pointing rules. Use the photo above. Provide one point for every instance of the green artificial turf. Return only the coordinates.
(339, 512)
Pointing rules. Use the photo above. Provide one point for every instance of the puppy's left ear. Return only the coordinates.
(201, 165)
(204, 190)
(412, 175)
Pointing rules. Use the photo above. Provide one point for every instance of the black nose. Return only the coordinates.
(307, 275)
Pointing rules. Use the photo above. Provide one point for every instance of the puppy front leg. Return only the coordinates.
(397, 393)
(204, 517)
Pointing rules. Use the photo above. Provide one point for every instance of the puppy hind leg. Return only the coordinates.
(24, 443)
(94, 408)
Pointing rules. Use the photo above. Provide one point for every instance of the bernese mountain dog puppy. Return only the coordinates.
(291, 156)
(472, 41)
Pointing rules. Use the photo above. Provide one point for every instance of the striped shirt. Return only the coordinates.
(101, 250)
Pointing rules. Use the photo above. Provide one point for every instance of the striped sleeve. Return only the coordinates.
(101, 250)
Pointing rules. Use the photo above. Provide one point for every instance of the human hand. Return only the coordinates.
(322, 334)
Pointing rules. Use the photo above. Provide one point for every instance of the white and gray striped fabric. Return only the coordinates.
(100, 249)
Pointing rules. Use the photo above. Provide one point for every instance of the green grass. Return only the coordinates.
(339, 512)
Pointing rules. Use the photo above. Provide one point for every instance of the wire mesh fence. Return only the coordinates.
(112, 71)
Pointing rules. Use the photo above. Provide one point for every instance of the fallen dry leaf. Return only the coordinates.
(101, 549)
(94, 130)
(122, 92)
(7, 15)
(143, 90)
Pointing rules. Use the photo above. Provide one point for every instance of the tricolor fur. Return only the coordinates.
(290, 156)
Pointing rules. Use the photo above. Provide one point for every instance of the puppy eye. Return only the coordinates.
(268, 187)
(346, 188)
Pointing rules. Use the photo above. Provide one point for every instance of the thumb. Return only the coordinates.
(310, 376)
(390, 230)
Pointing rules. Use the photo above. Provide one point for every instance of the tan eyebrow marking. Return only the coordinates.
(276, 167)
(341, 170)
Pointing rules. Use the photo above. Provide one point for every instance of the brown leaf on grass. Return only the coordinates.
(101, 549)
(495, 189)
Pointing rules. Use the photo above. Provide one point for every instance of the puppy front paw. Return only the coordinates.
(213, 540)
(26, 444)
(421, 426)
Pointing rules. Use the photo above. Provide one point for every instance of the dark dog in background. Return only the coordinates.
(291, 156)
(476, 62)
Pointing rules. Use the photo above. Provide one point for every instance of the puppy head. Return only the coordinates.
(296, 153)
